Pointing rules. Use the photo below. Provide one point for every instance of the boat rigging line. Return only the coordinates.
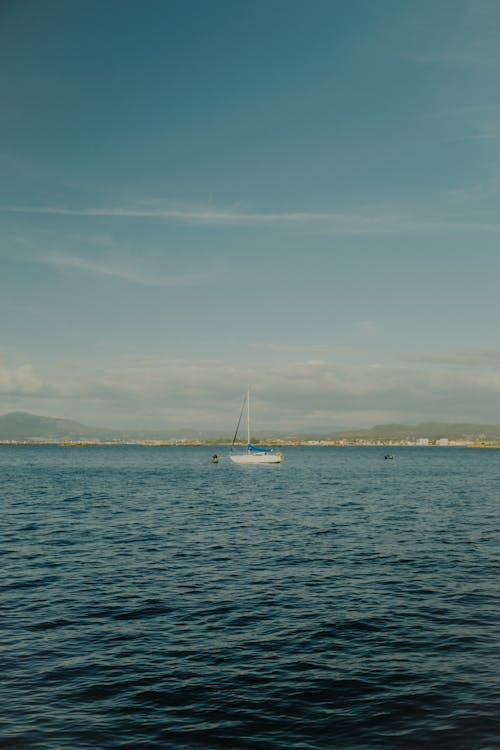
(239, 420)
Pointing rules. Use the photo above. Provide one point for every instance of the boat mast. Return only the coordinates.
(248, 416)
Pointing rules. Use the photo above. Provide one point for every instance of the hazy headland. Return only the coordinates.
(25, 428)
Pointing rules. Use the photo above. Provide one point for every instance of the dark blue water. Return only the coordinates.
(153, 600)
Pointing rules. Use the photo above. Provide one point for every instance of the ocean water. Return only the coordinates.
(150, 599)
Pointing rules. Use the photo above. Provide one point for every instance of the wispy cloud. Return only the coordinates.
(460, 58)
(125, 272)
(344, 223)
(20, 381)
(466, 357)
(467, 110)
(317, 348)
(333, 223)
(477, 137)
(368, 328)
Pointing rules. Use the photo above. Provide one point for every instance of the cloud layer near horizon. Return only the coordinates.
(287, 396)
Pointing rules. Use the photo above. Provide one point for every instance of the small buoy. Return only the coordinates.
(215, 458)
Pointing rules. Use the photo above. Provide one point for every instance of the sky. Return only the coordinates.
(300, 197)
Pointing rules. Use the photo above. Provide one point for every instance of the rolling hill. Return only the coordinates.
(22, 426)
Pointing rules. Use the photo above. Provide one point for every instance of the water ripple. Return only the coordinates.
(152, 600)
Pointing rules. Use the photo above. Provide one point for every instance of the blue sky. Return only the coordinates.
(303, 196)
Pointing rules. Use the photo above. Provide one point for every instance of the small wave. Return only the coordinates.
(142, 613)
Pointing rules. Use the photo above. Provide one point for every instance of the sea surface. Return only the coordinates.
(153, 600)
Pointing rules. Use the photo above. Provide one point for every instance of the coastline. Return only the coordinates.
(182, 443)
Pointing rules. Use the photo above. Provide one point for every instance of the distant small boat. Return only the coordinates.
(253, 454)
(388, 455)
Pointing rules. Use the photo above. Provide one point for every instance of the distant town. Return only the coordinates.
(275, 443)
(21, 428)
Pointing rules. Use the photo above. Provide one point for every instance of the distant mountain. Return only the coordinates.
(431, 430)
(24, 426)
(21, 425)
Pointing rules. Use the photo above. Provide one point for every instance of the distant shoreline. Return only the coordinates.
(271, 444)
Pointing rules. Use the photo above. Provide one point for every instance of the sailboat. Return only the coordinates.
(253, 454)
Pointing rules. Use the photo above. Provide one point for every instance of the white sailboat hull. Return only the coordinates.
(256, 458)
(253, 455)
